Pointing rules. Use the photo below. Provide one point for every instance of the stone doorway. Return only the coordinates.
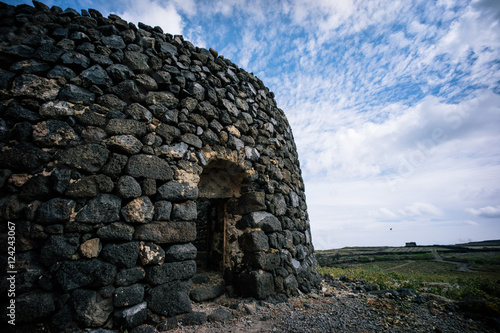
(218, 252)
(219, 187)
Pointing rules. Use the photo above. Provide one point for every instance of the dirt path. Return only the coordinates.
(399, 266)
(461, 266)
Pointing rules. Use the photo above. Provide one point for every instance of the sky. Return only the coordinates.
(394, 105)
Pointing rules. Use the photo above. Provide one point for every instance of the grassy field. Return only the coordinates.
(454, 272)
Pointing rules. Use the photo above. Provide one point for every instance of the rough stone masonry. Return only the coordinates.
(131, 159)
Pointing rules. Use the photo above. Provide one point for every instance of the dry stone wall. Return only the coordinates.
(112, 138)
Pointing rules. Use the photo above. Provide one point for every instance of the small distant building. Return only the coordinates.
(410, 244)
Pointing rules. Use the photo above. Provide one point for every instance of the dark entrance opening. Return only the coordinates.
(219, 186)
(210, 237)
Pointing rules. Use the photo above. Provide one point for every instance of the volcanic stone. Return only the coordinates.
(75, 94)
(129, 276)
(162, 97)
(121, 255)
(22, 51)
(196, 90)
(139, 112)
(139, 210)
(61, 72)
(48, 52)
(128, 187)
(23, 157)
(138, 62)
(129, 295)
(90, 157)
(77, 274)
(168, 272)
(58, 248)
(220, 315)
(259, 284)
(264, 220)
(163, 210)
(6, 78)
(177, 191)
(207, 292)
(147, 166)
(194, 318)
(75, 60)
(251, 201)
(104, 208)
(35, 187)
(166, 232)
(96, 75)
(169, 299)
(89, 186)
(119, 72)
(133, 316)
(56, 110)
(30, 66)
(91, 248)
(18, 114)
(168, 48)
(146, 82)
(268, 261)
(32, 86)
(54, 133)
(168, 133)
(255, 241)
(126, 127)
(192, 140)
(180, 252)
(93, 134)
(127, 144)
(113, 42)
(34, 306)
(56, 210)
(91, 309)
(129, 91)
(185, 211)
(116, 231)
(115, 165)
(148, 186)
(279, 204)
(151, 254)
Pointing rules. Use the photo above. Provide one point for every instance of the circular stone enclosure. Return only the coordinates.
(134, 166)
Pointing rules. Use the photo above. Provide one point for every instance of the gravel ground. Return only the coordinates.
(339, 308)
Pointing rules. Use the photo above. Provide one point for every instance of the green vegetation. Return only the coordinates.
(424, 269)
(433, 277)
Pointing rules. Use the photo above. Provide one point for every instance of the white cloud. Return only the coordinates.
(186, 6)
(488, 211)
(431, 135)
(418, 209)
(394, 109)
(153, 13)
(415, 210)
(476, 29)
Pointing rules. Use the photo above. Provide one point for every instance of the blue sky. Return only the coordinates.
(394, 105)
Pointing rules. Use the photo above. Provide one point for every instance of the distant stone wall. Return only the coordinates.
(109, 134)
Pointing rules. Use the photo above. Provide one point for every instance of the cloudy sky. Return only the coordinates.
(394, 105)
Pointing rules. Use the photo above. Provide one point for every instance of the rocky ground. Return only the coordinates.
(343, 305)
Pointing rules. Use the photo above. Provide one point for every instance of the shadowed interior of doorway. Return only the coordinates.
(219, 188)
